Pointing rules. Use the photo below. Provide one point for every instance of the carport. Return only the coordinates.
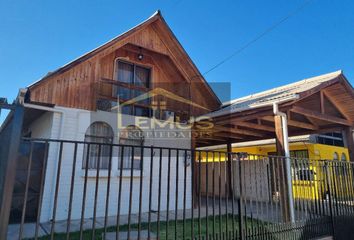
(317, 105)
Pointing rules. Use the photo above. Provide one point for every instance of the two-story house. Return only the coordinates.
(130, 90)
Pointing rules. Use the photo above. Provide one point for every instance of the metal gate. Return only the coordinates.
(28, 182)
(10, 135)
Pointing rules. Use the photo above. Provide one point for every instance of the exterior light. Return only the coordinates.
(140, 56)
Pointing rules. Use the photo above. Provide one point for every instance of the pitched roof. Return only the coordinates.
(87, 55)
(156, 16)
(280, 94)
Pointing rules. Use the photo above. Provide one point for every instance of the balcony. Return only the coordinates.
(138, 101)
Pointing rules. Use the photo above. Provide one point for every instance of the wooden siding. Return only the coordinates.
(75, 86)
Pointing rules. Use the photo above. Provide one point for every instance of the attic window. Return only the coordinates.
(133, 74)
(138, 79)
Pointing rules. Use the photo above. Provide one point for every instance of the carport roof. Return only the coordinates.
(283, 93)
(319, 104)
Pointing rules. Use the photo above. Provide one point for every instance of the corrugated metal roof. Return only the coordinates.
(280, 94)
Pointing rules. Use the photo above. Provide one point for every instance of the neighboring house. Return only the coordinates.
(319, 113)
(330, 146)
(143, 74)
(317, 146)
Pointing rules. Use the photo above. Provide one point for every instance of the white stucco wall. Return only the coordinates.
(42, 127)
(74, 125)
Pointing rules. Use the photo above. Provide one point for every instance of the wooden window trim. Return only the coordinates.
(134, 63)
(123, 84)
(132, 86)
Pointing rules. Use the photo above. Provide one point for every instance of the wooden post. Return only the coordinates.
(281, 169)
(279, 139)
(349, 140)
(274, 163)
(194, 169)
(229, 166)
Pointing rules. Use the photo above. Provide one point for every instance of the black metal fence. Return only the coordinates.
(81, 190)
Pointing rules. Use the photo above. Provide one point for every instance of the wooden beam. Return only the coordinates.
(216, 131)
(256, 126)
(293, 123)
(320, 116)
(213, 138)
(232, 136)
(198, 141)
(238, 131)
(322, 102)
(280, 146)
(288, 112)
(335, 104)
(312, 121)
(279, 139)
(298, 124)
(240, 117)
(229, 168)
(194, 169)
(348, 134)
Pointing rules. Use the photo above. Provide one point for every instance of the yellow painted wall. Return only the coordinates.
(265, 149)
(303, 189)
(326, 152)
(316, 151)
(306, 189)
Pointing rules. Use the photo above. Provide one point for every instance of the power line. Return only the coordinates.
(259, 36)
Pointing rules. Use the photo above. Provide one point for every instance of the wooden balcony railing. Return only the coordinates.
(107, 99)
(106, 94)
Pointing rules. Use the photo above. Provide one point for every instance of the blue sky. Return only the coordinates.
(39, 36)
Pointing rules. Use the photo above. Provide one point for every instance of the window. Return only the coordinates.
(138, 78)
(333, 139)
(342, 167)
(305, 175)
(299, 154)
(131, 136)
(165, 115)
(344, 157)
(336, 166)
(98, 132)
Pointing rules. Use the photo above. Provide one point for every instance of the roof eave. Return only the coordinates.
(156, 16)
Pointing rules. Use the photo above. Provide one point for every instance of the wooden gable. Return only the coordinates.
(75, 84)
